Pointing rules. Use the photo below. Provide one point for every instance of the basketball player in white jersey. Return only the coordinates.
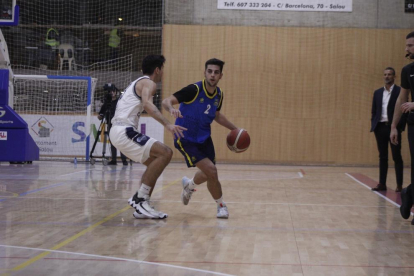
(137, 146)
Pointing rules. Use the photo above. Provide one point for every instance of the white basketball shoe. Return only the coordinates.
(143, 209)
(186, 193)
(222, 212)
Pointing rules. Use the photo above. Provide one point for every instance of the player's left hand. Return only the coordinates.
(407, 107)
(177, 131)
(176, 113)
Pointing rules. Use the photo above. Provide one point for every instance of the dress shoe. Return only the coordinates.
(112, 162)
(379, 187)
(398, 189)
(125, 162)
(406, 202)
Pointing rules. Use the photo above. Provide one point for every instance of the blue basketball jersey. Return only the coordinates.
(199, 113)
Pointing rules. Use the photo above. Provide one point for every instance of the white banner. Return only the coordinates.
(290, 5)
(66, 135)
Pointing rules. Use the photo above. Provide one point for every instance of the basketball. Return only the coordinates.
(238, 140)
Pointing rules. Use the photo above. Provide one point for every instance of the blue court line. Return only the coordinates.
(35, 191)
(41, 189)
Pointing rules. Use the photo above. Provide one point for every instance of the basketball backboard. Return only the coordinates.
(9, 13)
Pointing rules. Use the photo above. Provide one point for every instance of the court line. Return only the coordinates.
(8, 192)
(212, 202)
(162, 263)
(42, 189)
(369, 188)
(274, 229)
(300, 175)
(34, 191)
(76, 172)
(83, 232)
(48, 251)
(26, 177)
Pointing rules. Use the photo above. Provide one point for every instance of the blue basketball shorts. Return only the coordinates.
(194, 152)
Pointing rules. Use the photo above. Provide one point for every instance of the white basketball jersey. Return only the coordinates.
(129, 107)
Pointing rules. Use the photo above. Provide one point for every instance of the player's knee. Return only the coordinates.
(211, 173)
(168, 153)
(162, 151)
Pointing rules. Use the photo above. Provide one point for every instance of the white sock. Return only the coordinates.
(220, 202)
(144, 191)
(191, 184)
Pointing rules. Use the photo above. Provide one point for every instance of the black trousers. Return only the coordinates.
(410, 131)
(382, 134)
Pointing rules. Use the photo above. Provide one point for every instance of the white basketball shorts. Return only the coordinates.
(136, 146)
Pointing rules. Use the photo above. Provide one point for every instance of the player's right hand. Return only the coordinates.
(394, 136)
(177, 131)
(176, 113)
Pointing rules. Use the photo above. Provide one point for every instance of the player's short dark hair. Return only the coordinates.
(215, 61)
(410, 35)
(150, 62)
(391, 69)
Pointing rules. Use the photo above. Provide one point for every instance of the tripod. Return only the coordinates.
(105, 123)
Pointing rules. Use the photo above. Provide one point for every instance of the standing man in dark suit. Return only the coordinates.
(383, 106)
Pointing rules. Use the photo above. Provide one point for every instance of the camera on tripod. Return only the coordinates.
(105, 115)
(109, 88)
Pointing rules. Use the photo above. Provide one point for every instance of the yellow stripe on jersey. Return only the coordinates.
(186, 155)
(205, 90)
(198, 91)
(221, 99)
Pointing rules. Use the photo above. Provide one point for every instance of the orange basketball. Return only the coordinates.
(238, 140)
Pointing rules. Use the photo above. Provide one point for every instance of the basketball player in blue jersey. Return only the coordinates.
(200, 104)
(136, 98)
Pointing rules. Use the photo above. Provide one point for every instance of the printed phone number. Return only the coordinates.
(282, 6)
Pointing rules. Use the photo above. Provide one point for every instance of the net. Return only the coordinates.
(107, 40)
(57, 110)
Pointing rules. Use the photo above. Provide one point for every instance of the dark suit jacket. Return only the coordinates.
(377, 107)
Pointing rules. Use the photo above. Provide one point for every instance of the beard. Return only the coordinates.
(409, 56)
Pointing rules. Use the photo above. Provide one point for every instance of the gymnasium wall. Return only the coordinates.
(377, 14)
(303, 93)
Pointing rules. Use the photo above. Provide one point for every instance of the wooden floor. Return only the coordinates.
(62, 219)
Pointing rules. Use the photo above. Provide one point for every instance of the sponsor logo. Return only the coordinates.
(410, 6)
(3, 135)
(42, 127)
(201, 100)
(77, 131)
(193, 159)
(216, 102)
(2, 112)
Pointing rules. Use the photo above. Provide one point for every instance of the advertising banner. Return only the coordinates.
(290, 5)
(65, 135)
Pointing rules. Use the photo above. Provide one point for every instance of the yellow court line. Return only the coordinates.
(8, 192)
(83, 232)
